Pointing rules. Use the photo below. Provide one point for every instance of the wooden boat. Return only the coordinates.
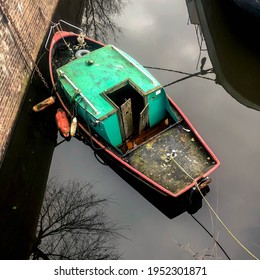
(123, 111)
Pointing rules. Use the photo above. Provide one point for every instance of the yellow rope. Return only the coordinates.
(216, 215)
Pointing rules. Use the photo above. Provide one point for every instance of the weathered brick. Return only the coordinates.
(14, 60)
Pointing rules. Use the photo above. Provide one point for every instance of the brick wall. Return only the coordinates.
(31, 19)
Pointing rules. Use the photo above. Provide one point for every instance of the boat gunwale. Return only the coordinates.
(63, 34)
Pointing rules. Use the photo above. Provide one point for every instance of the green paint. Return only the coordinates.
(110, 68)
(96, 75)
(156, 102)
(113, 130)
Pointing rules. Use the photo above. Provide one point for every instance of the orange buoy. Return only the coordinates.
(44, 104)
(62, 123)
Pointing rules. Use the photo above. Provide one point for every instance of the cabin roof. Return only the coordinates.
(102, 70)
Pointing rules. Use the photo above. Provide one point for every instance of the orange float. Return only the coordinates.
(62, 123)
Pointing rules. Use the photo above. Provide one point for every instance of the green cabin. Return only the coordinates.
(116, 95)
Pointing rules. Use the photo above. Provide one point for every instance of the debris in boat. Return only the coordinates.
(81, 40)
(73, 126)
(44, 104)
(62, 123)
(162, 160)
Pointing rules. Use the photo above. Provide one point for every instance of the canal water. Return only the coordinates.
(156, 33)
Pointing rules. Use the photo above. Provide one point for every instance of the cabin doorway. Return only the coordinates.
(132, 110)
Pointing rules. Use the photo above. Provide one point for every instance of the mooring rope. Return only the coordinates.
(211, 235)
(180, 72)
(188, 75)
(216, 215)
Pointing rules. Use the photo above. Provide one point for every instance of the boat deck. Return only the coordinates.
(165, 157)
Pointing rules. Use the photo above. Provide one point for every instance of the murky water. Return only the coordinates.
(156, 34)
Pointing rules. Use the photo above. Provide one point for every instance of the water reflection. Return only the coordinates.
(230, 129)
(232, 46)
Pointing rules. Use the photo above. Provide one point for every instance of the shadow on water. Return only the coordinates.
(25, 168)
(23, 174)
